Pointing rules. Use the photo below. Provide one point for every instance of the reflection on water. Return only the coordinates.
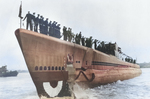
(22, 87)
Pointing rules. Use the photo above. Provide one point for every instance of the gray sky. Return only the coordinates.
(126, 22)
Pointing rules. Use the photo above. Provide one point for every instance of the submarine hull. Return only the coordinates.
(51, 60)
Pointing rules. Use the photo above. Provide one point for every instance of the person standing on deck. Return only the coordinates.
(65, 33)
(50, 28)
(41, 24)
(79, 37)
(36, 22)
(58, 31)
(28, 16)
(70, 35)
(53, 28)
(46, 26)
(95, 44)
(103, 47)
(33, 20)
(83, 41)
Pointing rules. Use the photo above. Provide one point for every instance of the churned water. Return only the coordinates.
(22, 87)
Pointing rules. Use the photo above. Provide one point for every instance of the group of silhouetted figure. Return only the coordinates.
(38, 24)
(130, 60)
(88, 42)
(108, 48)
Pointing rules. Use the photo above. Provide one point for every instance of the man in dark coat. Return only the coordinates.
(33, 20)
(53, 28)
(58, 31)
(46, 26)
(95, 44)
(28, 16)
(80, 35)
(50, 28)
(77, 38)
(41, 24)
(83, 40)
(103, 47)
(36, 22)
(65, 33)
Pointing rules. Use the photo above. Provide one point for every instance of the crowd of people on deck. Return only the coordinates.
(85, 41)
(130, 60)
(41, 25)
(38, 24)
(108, 48)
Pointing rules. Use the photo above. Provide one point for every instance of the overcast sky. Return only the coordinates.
(126, 22)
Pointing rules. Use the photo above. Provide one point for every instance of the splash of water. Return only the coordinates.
(81, 93)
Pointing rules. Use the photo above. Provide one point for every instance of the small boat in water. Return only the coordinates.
(50, 60)
(5, 73)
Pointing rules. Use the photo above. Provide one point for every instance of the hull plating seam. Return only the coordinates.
(106, 64)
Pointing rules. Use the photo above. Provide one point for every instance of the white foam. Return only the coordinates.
(81, 93)
(119, 82)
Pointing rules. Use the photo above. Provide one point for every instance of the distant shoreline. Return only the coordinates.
(22, 71)
(144, 65)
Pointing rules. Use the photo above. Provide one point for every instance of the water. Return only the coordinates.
(22, 87)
